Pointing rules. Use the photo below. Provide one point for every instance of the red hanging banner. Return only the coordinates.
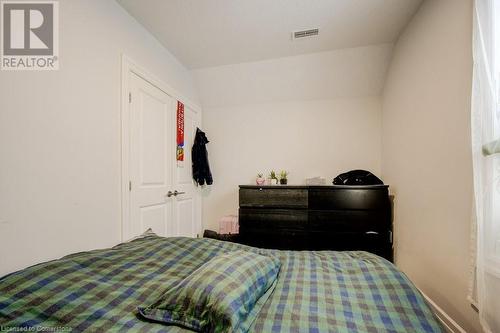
(180, 131)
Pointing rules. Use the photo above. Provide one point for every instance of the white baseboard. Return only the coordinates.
(449, 324)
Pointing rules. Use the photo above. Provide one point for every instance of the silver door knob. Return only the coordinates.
(176, 193)
(170, 193)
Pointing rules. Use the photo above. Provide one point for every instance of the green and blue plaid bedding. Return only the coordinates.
(100, 291)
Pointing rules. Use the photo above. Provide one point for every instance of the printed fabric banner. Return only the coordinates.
(180, 131)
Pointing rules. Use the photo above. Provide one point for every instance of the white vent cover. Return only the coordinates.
(305, 33)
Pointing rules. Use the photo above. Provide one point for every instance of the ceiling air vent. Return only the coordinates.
(305, 33)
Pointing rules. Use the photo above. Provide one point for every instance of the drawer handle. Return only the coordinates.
(371, 233)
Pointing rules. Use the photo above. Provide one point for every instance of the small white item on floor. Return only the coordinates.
(316, 181)
(229, 225)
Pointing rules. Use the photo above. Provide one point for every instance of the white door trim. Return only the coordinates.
(130, 66)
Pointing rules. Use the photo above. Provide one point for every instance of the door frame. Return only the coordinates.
(129, 67)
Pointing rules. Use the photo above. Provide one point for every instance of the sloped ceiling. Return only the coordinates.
(346, 73)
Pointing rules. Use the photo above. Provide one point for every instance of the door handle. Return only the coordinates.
(170, 193)
(176, 193)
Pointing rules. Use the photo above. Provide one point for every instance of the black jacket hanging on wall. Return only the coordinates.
(199, 155)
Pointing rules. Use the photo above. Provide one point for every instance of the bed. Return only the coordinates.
(316, 291)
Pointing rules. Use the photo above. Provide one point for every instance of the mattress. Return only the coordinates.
(316, 291)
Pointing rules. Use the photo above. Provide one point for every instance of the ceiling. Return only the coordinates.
(207, 33)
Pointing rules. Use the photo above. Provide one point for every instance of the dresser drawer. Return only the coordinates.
(273, 197)
(349, 220)
(355, 198)
(277, 239)
(272, 219)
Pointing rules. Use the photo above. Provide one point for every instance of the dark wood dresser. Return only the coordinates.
(317, 218)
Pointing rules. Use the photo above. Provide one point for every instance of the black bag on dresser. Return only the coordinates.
(357, 177)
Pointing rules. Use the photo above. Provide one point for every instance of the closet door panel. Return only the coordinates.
(187, 204)
(150, 159)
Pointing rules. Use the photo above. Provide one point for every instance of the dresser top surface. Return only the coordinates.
(363, 187)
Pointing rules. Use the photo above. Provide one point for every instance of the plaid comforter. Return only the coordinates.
(99, 291)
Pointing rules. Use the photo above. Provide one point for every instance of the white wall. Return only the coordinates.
(426, 153)
(313, 115)
(60, 136)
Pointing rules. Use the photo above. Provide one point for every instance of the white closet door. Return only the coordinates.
(187, 219)
(151, 158)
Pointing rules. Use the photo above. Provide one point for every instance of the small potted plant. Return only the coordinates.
(260, 179)
(283, 177)
(273, 180)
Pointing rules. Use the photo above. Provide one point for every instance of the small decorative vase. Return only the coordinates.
(260, 181)
(274, 182)
(283, 181)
